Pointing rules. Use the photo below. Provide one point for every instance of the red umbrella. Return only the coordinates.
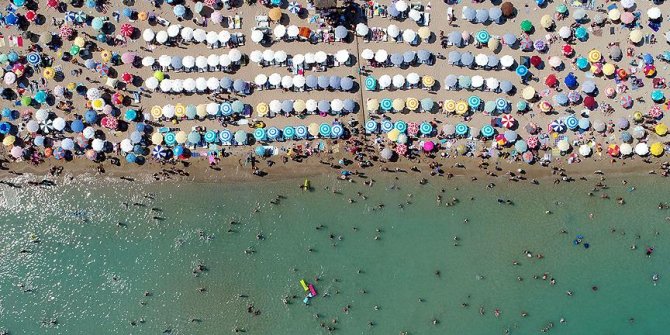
(127, 30)
(109, 122)
(567, 50)
(613, 150)
(535, 60)
(589, 102)
(507, 121)
(30, 15)
(52, 3)
(551, 80)
(117, 98)
(127, 78)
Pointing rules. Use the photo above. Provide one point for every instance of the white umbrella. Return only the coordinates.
(414, 15)
(381, 55)
(148, 35)
(492, 83)
(625, 149)
(393, 31)
(151, 83)
(506, 61)
(199, 35)
(213, 60)
(148, 61)
(212, 108)
(188, 62)
(555, 61)
(162, 37)
(173, 30)
(42, 114)
(189, 84)
(280, 56)
(126, 145)
(256, 56)
(177, 85)
(279, 31)
(212, 37)
(187, 34)
(275, 79)
(627, 3)
(166, 85)
(401, 5)
(342, 56)
(320, 57)
(642, 149)
(311, 105)
(88, 133)
(164, 60)
(477, 81)
(260, 79)
(235, 55)
(413, 78)
(224, 36)
(299, 81)
(275, 106)
(362, 29)
(654, 13)
(309, 58)
(584, 150)
(33, 126)
(292, 31)
(93, 93)
(398, 81)
(268, 55)
(200, 84)
(98, 144)
(224, 60)
(337, 105)
(408, 35)
(481, 59)
(298, 59)
(287, 82)
(384, 81)
(212, 83)
(563, 145)
(367, 54)
(564, 32)
(256, 36)
(201, 62)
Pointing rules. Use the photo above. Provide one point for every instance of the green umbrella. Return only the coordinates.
(3, 58)
(526, 26)
(562, 9)
(159, 75)
(26, 101)
(74, 50)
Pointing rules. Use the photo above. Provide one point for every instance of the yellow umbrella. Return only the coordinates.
(398, 104)
(142, 16)
(179, 110)
(275, 15)
(157, 138)
(449, 105)
(545, 106)
(71, 86)
(313, 129)
(393, 134)
(428, 81)
(528, 93)
(614, 14)
(546, 22)
(412, 104)
(661, 129)
(49, 73)
(97, 104)
(494, 43)
(656, 149)
(105, 55)
(637, 116)
(201, 110)
(181, 137)
(8, 140)
(608, 69)
(594, 55)
(423, 32)
(372, 104)
(156, 112)
(79, 41)
(262, 109)
(635, 35)
(299, 106)
(461, 107)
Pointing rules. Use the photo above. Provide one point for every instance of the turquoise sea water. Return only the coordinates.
(90, 273)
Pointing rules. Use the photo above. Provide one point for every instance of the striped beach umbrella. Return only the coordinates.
(501, 104)
(170, 138)
(487, 130)
(474, 101)
(483, 36)
(325, 130)
(259, 134)
(337, 130)
(450, 105)
(226, 136)
(507, 121)
(273, 133)
(426, 128)
(461, 129)
(289, 132)
(370, 83)
(301, 131)
(34, 58)
(226, 109)
(557, 126)
(572, 122)
(401, 126)
(387, 126)
(159, 152)
(371, 126)
(386, 104)
(412, 128)
(210, 136)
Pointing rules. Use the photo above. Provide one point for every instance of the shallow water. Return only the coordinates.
(90, 273)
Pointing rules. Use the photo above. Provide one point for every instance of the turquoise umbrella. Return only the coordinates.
(191, 112)
(40, 97)
(582, 63)
(427, 104)
(170, 139)
(241, 137)
(521, 146)
(97, 23)
(490, 106)
(225, 136)
(130, 115)
(487, 130)
(370, 83)
(521, 105)
(238, 106)
(194, 137)
(483, 36)
(572, 122)
(474, 101)
(581, 33)
(657, 95)
(521, 71)
(401, 126)
(501, 104)
(387, 126)
(371, 126)
(426, 128)
(461, 129)
(289, 132)
(386, 104)
(210, 136)
(325, 130)
(259, 134)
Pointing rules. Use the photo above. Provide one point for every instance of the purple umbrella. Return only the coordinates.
(540, 45)
(574, 96)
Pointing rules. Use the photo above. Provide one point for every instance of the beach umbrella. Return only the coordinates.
(461, 129)
(483, 36)
(501, 104)
(661, 129)
(384, 81)
(509, 39)
(584, 124)
(510, 136)
(481, 15)
(625, 149)
(371, 126)
(273, 133)
(506, 86)
(563, 145)
(455, 38)
(584, 150)
(507, 121)
(487, 131)
(657, 96)
(571, 122)
(492, 83)
(464, 81)
(626, 101)
(521, 71)
(599, 126)
(526, 26)
(467, 59)
(656, 149)
(386, 126)
(427, 104)
(642, 149)
(451, 81)
(639, 132)
(557, 126)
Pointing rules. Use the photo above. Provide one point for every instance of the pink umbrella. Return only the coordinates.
(216, 17)
(413, 128)
(128, 57)
(610, 92)
(127, 78)
(127, 30)
(107, 109)
(109, 122)
(532, 142)
(627, 17)
(117, 98)
(428, 146)
(655, 112)
(507, 121)
(210, 3)
(65, 32)
(17, 152)
(627, 101)
(528, 157)
(401, 149)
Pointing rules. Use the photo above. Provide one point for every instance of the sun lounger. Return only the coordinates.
(426, 19)
(237, 22)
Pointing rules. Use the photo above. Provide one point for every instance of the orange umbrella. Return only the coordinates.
(275, 14)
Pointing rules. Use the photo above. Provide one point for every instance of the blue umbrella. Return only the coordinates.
(474, 101)
(13, 56)
(194, 138)
(495, 13)
(90, 116)
(482, 15)
(454, 57)
(521, 71)
(455, 38)
(582, 63)
(131, 158)
(178, 150)
(5, 127)
(176, 63)
(509, 39)
(451, 80)
(626, 137)
(170, 138)
(301, 131)
(226, 136)
(407, 57)
(311, 81)
(387, 126)
(226, 83)
(521, 146)
(510, 135)
(461, 129)
(588, 87)
(97, 23)
(572, 122)
(240, 85)
(561, 99)
(40, 96)
(324, 106)
(287, 106)
(273, 133)
(424, 55)
(241, 137)
(259, 134)
(19, 3)
(570, 80)
(11, 19)
(90, 64)
(397, 59)
(77, 126)
(325, 130)
(469, 14)
(191, 112)
(584, 124)
(289, 132)
(39, 141)
(337, 130)
(401, 126)
(371, 126)
(486, 131)
(657, 95)
(341, 32)
(91, 3)
(101, 38)
(393, 11)
(349, 105)
(427, 104)
(210, 136)
(323, 82)
(260, 151)
(179, 10)
(467, 58)
(557, 126)
(370, 83)
(483, 36)
(581, 33)
(648, 59)
(34, 58)
(226, 108)
(159, 152)
(426, 128)
(238, 106)
(334, 82)
(127, 12)
(347, 84)
(135, 137)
